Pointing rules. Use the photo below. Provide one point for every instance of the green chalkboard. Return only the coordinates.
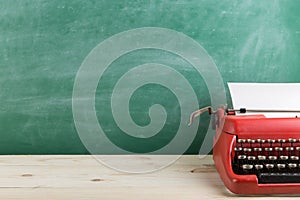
(43, 44)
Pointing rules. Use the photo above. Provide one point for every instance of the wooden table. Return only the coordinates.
(82, 177)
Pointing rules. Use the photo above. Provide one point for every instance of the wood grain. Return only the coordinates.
(82, 177)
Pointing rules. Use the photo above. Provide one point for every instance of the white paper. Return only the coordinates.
(266, 96)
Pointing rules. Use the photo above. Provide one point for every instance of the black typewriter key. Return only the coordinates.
(247, 150)
(247, 168)
(269, 166)
(292, 140)
(289, 148)
(284, 157)
(294, 157)
(242, 157)
(280, 166)
(261, 141)
(292, 165)
(272, 158)
(281, 140)
(241, 141)
(250, 141)
(251, 158)
(237, 149)
(257, 149)
(271, 140)
(269, 149)
(259, 167)
(278, 149)
(261, 157)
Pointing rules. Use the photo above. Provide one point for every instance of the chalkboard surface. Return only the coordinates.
(44, 43)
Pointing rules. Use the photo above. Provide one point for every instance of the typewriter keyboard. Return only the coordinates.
(272, 160)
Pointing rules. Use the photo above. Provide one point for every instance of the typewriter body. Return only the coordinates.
(257, 155)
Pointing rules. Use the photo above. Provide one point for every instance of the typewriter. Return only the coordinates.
(254, 154)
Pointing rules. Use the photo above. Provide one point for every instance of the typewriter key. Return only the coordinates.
(238, 148)
(292, 140)
(292, 165)
(271, 140)
(242, 157)
(258, 167)
(261, 141)
(294, 157)
(298, 148)
(278, 149)
(250, 141)
(241, 140)
(261, 157)
(281, 140)
(284, 157)
(251, 158)
(280, 166)
(272, 157)
(247, 149)
(289, 148)
(257, 149)
(269, 149)
(269, 166)
(247, 167)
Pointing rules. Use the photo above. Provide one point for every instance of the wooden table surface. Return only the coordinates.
(82, 177)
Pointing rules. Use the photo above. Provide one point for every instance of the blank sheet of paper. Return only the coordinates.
(266, 96)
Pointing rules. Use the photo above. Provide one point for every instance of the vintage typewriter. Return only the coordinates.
(254, 154)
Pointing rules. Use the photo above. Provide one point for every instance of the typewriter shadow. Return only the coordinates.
(219, 189)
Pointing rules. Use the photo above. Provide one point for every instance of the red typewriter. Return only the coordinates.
(254, 154)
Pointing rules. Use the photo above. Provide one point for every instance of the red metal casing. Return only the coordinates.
(253, 127)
